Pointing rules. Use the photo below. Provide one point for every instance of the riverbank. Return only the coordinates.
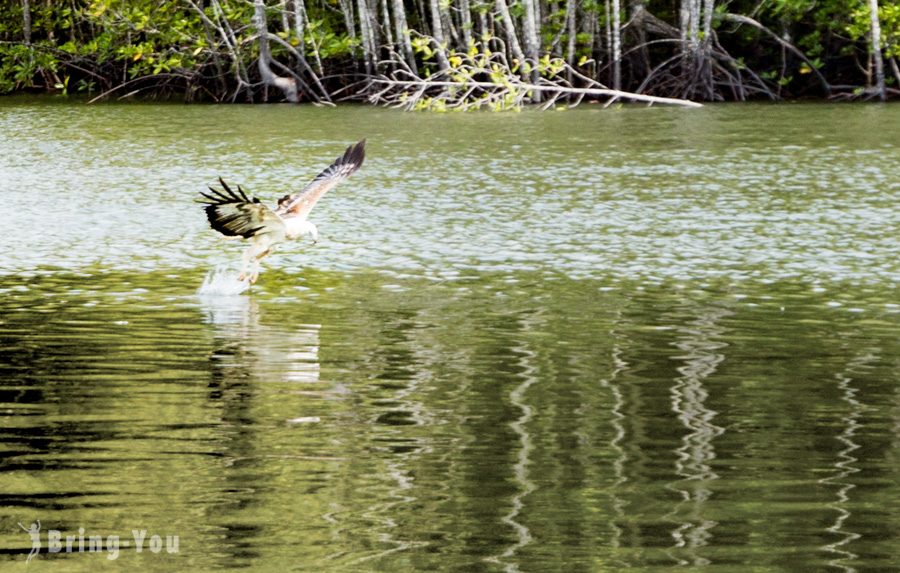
(464, 54)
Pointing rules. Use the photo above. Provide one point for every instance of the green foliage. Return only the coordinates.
(516, 9)
(90, 45)
(888, 16)
(890, 28)
(422, 47)
(328, 43)
(146, 36)
(21, 66)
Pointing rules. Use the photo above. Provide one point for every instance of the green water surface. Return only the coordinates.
(594, 340)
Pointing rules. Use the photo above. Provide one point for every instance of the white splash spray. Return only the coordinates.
(222, 281)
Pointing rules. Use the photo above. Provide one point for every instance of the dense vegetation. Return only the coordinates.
(445, 54)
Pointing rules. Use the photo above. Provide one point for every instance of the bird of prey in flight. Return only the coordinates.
(234, 214)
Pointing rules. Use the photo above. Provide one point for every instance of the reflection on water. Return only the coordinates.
(619, 455)
(674, 344)
(844, 468)
(243, 348)
(364, 426)
(528, 374)
(696, 452)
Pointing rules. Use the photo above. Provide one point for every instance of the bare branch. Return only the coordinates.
(738, 18)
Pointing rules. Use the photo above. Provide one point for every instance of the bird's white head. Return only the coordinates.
(298, 227)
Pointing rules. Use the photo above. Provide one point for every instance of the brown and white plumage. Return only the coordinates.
(301, 203)
(234, 214)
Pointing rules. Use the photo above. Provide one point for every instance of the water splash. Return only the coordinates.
(222, 281)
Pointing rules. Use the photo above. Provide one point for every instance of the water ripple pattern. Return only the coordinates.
(621, 340)
(689, 196)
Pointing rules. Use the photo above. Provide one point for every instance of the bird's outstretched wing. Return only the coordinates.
(234, 214)
(299, 204)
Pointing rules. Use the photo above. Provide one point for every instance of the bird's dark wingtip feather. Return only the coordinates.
(227, 195)
(213, 217)
(217, 195)
(234, 196)
(208, 199)
(356, 154)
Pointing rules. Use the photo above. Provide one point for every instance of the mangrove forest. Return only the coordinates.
(452, 54)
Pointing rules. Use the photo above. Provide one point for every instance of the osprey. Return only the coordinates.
(234, 214)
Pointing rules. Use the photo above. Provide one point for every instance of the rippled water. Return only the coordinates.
(583, 341)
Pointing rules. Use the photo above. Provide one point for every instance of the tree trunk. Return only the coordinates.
(684, 23)
(300, 20)
(512, 42)
(402, 31)
(231, 43)
(299, 13)
(695, 66)
(386, 23)
(896, 69)
(466, 19)
(694, 28)
(483, 24)
(570, 39)
(532, 43)
(300, 24)
(689, 25)
(421, 17)
(607, 10)
(450, 32)
(26, 21)
(437, 29)
(616, 45)
(374, 27)
(705, 53)
(368, 40)
(876, 50)
(217, 61)
(287, 85)
(285, 24)
(589, 26)
(347, 12)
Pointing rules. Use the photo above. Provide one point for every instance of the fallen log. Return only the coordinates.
(552, 89)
